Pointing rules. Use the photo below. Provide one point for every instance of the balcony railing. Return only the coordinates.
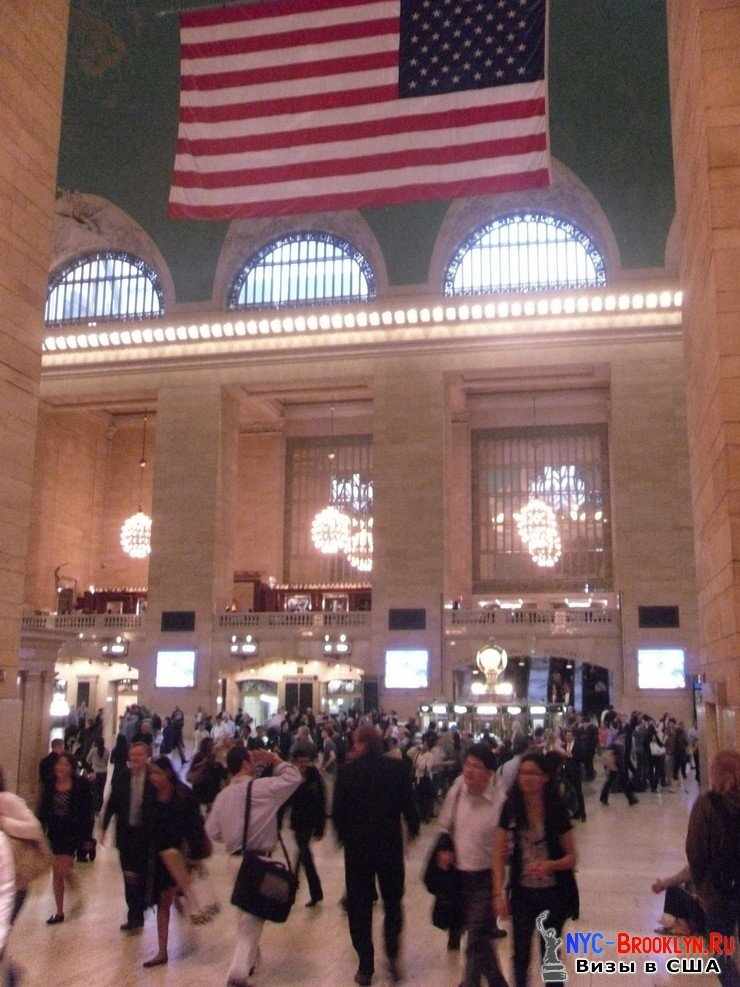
(74, 623)
(596, 620)
(304, 620)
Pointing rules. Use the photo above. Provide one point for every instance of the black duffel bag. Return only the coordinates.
(445, 884)
(263, 887)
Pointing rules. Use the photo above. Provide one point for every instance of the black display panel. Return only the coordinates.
(407, 620)
(178, 620)
(658, 616)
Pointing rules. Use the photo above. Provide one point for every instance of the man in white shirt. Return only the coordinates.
(470, 815)
(225, 824)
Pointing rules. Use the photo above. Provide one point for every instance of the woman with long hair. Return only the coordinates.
(119, 755)
(66, 814)
(175, 827)
(536, 824)
(206, 774)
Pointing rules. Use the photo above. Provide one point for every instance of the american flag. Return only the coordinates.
(307, 105)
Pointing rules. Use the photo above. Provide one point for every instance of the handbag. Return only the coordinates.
(263, 887)
(656, 749)
(32, 859)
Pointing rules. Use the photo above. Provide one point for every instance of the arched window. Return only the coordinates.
(524, 252)
(110, 284)
(303, 269)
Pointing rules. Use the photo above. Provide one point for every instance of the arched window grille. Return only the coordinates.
(110, 284)
(524, 252)
(303, 269)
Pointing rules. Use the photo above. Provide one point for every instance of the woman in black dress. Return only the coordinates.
(175, 831)
(536, 827)
(66, 814)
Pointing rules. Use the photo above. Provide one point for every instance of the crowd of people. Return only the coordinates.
(503, 808)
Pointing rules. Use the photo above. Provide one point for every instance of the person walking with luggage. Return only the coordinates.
(308, 821)
(226, 824)
(371, 795)
(470, 816)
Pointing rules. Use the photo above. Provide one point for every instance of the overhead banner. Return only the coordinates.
(312, 105)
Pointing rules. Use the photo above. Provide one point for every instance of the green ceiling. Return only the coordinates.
(610, 123)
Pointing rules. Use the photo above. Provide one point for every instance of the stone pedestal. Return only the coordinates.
(409, 503)
(191, 566)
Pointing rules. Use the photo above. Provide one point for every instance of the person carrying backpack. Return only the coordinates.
(713, 851)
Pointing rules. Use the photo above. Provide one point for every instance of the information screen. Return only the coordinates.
(661, 668)
(175, 670)
(406, 668)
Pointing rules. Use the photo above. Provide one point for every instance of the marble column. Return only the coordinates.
(409, 501)
(37, 690)
(704, 53)
(191, 567)
(31, 79)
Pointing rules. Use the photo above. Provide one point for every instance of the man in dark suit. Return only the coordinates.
(371, 795)
(131, 793)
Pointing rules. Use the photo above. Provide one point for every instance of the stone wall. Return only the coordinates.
(704, 48)
(31, 76)
(70, 480)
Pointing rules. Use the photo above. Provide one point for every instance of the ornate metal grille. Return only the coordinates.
(524, 252)
(315, 481)
(303, 269)
(107, 285)
(567, 467)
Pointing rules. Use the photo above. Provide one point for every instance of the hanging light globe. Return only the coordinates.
(360, 552)
(492, 661)
(331, 531)
(136, 535)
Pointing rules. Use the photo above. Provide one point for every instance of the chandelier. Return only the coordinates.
(537, 526)
(331, 529)
(360, 551)
(492, 661)
(136, 531)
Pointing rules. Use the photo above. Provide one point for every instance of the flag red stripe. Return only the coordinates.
(249, 12)
(291, 104)
(370, 197)
(291, 39)
(468, 117)
(285, 73)
(307, 170)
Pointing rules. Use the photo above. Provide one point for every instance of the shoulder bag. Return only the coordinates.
(32, 859)
(263, 887)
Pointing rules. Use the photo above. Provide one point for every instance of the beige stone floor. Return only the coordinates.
(621, 851)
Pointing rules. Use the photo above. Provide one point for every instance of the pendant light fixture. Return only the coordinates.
(331, 529)
(136, 531)
(537, 522)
